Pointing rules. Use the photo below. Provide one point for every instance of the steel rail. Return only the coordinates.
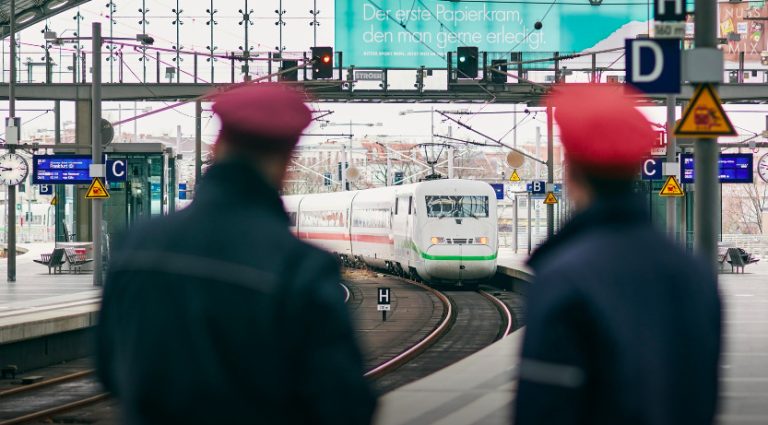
(418, 348)
(55, 410)
(502, 308)
(48, 382)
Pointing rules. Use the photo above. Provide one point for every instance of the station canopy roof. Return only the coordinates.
(30, 12)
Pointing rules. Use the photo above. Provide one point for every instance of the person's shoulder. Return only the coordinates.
(310, 256)
(150, 232)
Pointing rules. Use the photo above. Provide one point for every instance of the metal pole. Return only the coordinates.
(706, 152)
(529, 223)
(97, 205)
(135, 123)
(198, 141)
(119, 120)
(11, 148)
(514, 125)
(432, 125)
(389, 168)
(514, 223)
(58, 192)
(343, 168)
(671, 157)
(550, 171)
(450, 162)
(537, 174)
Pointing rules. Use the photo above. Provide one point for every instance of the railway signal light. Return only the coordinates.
(466, 58)
(293, 74)
(498, 65)
(322, 62)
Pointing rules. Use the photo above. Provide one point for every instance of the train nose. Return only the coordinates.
(460, 262)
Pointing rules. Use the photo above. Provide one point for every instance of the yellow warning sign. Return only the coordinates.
(97, 190)
(671, 188)
(705, 116)
(550, 199)
(55, 200)
(514, 177)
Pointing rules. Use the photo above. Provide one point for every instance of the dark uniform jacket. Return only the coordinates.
(623, 327)
(219, 315)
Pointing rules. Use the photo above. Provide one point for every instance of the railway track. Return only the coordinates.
(468, 321)
(459, 323)
(50, 397)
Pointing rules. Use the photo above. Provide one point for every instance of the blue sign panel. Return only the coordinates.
(653, 65)
(539, 187)
(46, 189)
(734, 168)
(182, 191)
(652, 169)
(116, 170)
(499, 189)
(61, 169)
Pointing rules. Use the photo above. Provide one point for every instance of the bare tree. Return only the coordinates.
(743, 208)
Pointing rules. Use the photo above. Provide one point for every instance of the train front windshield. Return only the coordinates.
(457, 206)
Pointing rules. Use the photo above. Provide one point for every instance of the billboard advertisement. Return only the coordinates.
(413, 33)
(745, 23)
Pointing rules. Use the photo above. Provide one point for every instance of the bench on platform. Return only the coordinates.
(735, 260)
(54, 260)
(76, 261)
(722, 255)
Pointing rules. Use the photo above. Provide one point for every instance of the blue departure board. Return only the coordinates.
(734, 168)
(61, 169)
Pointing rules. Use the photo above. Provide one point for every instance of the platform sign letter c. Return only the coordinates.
(650, 172)
(116, 170)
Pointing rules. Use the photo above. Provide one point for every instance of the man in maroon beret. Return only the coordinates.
(623, 326)
(218, 314)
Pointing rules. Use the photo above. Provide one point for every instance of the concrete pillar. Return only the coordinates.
(80, 206)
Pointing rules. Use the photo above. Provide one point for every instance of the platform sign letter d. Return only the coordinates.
(658, 61)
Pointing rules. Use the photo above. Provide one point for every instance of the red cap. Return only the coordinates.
(602, 131)
(266, 113)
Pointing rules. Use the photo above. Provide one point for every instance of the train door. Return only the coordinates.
(412, 254)
(400, 229)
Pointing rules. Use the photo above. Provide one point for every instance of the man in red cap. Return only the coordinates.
(217, 314)
(623, 327)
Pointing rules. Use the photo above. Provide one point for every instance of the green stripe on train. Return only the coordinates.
(426, 256)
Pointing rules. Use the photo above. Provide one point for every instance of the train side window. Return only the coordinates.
(410, 205)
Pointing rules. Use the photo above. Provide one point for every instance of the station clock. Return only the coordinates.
(13, 169)
(762, 167)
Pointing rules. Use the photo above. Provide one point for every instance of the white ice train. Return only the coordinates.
(441, 231)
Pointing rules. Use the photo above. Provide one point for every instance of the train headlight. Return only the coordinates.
(436, 240)
(482, 240)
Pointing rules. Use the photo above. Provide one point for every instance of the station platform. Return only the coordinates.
(476, 390)
(39, 304)
(480, 389)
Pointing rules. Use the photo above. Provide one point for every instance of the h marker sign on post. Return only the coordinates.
(383, 302)
(669, 10)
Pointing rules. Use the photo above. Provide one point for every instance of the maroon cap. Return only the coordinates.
(602, 131)
(262, 113)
